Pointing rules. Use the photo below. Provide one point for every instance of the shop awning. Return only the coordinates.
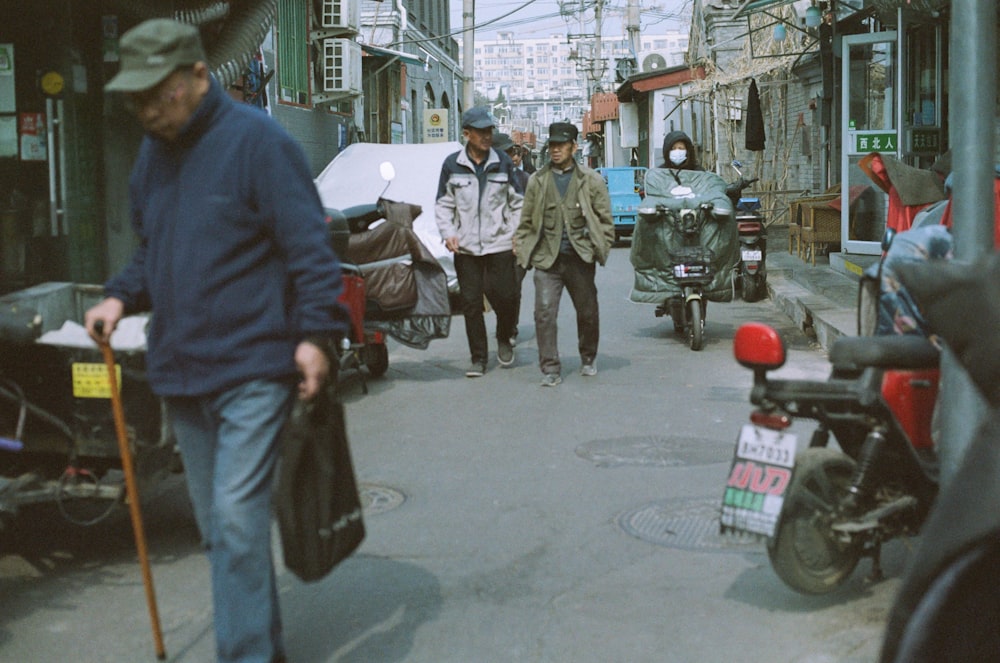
(408, 58)
(753, 6)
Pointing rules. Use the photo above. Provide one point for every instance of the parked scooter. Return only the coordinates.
(822, 509)
(684, 247)
(393, 285)
(752, 232)
(947, 603)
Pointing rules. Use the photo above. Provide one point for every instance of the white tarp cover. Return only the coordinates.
(352, 178)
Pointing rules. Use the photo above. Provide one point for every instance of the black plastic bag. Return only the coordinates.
(319, 509)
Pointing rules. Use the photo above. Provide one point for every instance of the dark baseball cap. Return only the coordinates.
(152, 50)
(477, 117)
(502, 142)
(562, 132)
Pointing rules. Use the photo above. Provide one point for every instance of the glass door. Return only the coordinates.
(870, 124)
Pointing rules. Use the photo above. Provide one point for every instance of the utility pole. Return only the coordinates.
(974, 81)
(632, 27)
(597, 72)
(468, 53)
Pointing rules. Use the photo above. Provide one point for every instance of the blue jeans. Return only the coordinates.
(228, 442)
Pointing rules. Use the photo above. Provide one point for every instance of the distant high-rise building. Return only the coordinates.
(539, 80)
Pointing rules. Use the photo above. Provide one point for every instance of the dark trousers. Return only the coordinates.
(577, 276)
(491, 275)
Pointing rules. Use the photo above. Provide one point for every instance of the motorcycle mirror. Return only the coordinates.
(759, 347)
(387, 171)
(887, 238)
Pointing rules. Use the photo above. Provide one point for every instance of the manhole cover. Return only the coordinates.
(654, 451)
(691, 524)
(377, 499)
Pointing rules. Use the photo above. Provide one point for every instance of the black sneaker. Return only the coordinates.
(476, 370)
(505, 353)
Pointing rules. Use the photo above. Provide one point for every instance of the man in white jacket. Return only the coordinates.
(477, 211)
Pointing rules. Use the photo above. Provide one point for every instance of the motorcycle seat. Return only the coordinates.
(900, 352)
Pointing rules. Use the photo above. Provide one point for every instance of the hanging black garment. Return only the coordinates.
(755, 120)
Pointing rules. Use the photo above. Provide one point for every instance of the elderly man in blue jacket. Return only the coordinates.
(234, 262)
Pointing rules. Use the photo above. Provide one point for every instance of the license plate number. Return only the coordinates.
(766, 446)
(759, 476)
(752, 254)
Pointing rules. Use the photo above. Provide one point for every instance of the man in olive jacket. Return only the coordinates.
(566, 228)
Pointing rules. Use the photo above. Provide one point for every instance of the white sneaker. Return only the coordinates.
(551, 380)
(589, 370)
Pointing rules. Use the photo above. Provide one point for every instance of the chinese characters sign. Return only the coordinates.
(876, 142)
(91, 380)
(435, 125)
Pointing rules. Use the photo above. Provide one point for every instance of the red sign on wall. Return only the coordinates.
(31, 129)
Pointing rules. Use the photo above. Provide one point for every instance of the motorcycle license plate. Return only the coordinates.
(759, 476)
(751, 254)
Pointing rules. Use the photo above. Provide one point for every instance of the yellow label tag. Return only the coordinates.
(91, 380)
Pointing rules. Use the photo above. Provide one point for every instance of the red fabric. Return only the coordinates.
(900, 216)
(946, 219)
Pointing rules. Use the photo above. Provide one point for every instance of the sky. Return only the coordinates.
(542, 18)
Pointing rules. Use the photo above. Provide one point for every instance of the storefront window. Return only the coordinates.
(924, 112)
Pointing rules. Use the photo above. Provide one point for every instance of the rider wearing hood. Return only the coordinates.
(678, 152)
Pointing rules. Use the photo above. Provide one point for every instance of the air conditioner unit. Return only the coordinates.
(340, 15)
(340, 72)
(624, 68)
(655, 61)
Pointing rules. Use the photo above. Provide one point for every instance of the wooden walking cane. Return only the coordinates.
(132, 492)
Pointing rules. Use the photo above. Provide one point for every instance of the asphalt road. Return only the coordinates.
(506, 522)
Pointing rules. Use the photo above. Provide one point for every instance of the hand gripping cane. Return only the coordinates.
(132, 491)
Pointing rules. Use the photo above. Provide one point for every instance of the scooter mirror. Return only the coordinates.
(387, 171)
(887, 238)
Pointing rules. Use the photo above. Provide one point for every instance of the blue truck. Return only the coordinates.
(627, 188)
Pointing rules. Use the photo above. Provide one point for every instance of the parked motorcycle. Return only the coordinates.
(947, 600)
(393, 285)
(823, 509)
(684, 248)
(58, 442)
(752, 233)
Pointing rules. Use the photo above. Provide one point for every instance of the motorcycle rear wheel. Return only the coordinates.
(752, 287)
(696, 329)
(805, 553)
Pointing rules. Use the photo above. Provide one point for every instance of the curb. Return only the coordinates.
(816, 315)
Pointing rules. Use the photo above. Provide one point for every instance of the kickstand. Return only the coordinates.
(351, 359)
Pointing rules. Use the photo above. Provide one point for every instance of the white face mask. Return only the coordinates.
(677, 157)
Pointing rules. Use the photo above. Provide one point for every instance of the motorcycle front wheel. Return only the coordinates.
(805, 552)
(696, 329)
(376, 358)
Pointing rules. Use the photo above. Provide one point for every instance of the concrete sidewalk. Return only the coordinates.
(821, 299)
